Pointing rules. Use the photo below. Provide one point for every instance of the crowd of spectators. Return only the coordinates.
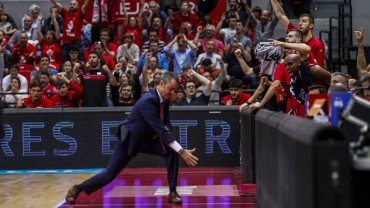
(62, 60)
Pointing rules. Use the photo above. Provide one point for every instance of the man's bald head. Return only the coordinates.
(292, 63)
(292, 58)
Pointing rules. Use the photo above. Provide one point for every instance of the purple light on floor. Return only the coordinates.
(185, 199)
(159, 202)
(183, 181)
(106, 190)
(157, 182)
(226, 181)
(138, 200)
(137, 182)
(226, 200)
(209, 182)
(119, 182)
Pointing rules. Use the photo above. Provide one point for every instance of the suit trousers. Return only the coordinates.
(120, 159)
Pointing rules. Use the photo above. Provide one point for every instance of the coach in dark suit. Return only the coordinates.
(149, 132)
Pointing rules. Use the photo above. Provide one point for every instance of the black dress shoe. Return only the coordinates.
(174, 198)
(72, 194)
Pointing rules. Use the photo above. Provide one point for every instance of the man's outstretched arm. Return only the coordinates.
(361, 59)
(280, 14)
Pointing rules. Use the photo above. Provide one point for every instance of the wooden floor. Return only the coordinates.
(199, 187)
(36, 190)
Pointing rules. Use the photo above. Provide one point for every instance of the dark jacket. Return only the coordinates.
(144, 124)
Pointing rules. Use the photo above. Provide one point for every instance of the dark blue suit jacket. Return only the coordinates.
(144, 124)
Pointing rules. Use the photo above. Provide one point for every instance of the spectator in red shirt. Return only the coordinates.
(183, 16)
(50, 43)
(47, 88)
(133, 24)
(236, 97)
(72, 25)
(23, 52)
(210, 35)
(99, 49)
(306, 24)
(69, 93)
(35, 100)
(109, 48)
(154, 18)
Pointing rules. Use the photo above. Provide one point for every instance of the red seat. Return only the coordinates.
(25, 70)
(27, 67)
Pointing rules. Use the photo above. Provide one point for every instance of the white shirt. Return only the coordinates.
(7, 79)
(9, 98)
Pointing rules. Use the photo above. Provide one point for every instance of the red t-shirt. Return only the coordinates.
(22, 55)
(49, 91)
(72, 25)
(243, 99)
(281, 73)
(71, 99)
(294, 108)
(179, 19)
(312, 60)
(109, 61)
(317, 47)
(219, 46)
(162, 35)
(53, 51)
(111, 46)
(44, 103)
(136, 32)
